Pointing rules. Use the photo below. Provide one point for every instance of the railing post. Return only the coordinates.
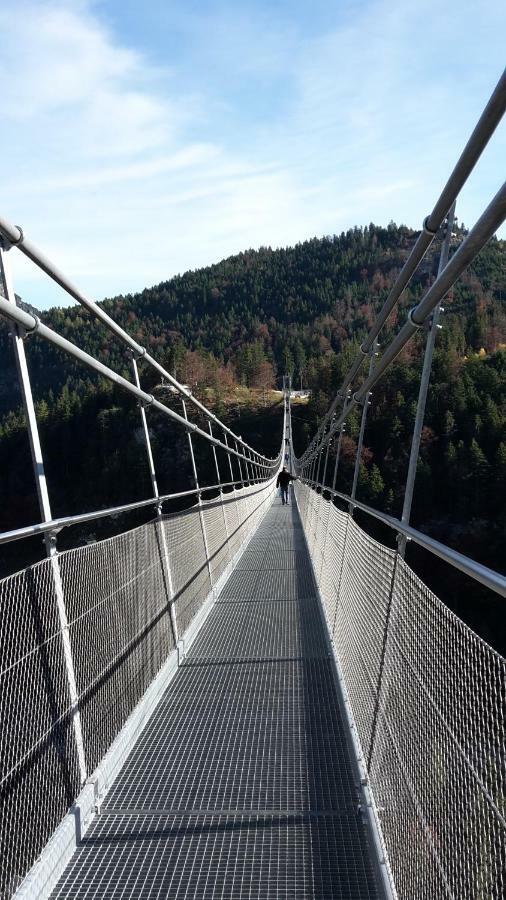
(363, 421)
(317, 476)
(254, 467)
(229, 458)
(374, 726)
(312, 469)
(249, 468)
(316, 463)
(232, 477)
(324, 476)
(331, 498)
(44, 506)
(219, 482)
(159, 522)
(240, 466)
(199, 498)
(341, 570)
(423, 390)
(239, 511)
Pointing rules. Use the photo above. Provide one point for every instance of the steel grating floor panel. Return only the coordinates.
(241, 786)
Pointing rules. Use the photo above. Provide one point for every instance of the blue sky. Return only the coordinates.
(144, 139)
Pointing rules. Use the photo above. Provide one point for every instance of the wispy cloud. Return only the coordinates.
(259, 130)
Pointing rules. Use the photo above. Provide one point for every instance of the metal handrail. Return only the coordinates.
(487, 224)
(32, 324)
(16, 238)
(488, 577)
(483, 131)
(56, 525)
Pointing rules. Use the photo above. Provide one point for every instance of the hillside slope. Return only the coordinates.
(256, 316)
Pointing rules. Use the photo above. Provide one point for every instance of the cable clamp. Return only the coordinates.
(137, 354)
(20, 238)
(34, 328)
(8, 242)
(412, 320)
(428, 230)
(363, 351)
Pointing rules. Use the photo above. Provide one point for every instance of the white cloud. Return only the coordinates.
(126, 172)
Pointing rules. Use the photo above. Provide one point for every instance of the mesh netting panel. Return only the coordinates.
(429, 701)
(320, 528)
(232, 522)
(116, 595)
(117, 582)
(217, 544)
(361, 613)
(38, 758)
(332, 562)
(188, 564)
(439, 763)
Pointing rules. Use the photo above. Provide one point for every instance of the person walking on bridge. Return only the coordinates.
(284, 479)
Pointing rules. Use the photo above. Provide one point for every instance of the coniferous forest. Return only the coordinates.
(230, 331)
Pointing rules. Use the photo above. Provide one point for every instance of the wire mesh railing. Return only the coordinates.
(428, 698)
(119, 596)
(87, 630)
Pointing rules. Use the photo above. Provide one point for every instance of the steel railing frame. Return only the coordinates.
(32, 324)
(382, 687)
(485, 227)
(56, 525)
(14, 237)
(483, 131)
(488, 577)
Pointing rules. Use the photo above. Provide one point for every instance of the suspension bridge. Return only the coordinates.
(241, 699)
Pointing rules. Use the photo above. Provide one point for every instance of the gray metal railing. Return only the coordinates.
(69, 680)
(426, 694)
(486, 576)
(427, 706)
(130, 604)
(489, 222)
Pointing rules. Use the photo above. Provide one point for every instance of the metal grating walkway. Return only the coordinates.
(241, 786)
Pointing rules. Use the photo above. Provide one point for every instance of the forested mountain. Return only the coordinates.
(248, 320)
(295, 306)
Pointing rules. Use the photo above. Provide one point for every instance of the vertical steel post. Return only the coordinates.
(317, 478)
(423, 390)
(44, 506)
(147, 439)
(219, 481)
(249, 469)
(159, 523)
(229, 456)
(239, 517)
(240, 466)
(324, 476)
(331, 498)
(314, 517)
(313, 467)
(363, 421)
(199, 497)
(384, 645)
(338, 455)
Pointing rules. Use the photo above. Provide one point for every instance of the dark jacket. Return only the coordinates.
(284, 479)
